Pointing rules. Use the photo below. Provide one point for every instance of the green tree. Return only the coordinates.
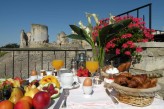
(11, 45)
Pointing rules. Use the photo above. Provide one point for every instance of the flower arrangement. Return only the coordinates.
(124, 43)
(98, 38)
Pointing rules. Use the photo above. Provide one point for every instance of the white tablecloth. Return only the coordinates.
(100, 100)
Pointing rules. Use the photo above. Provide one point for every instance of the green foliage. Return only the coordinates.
(11, 45)
(2, 53)
(105, 34)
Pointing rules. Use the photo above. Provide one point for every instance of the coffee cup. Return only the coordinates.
(66, 80)
(63, 70)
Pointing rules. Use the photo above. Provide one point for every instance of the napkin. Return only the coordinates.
(78, 100)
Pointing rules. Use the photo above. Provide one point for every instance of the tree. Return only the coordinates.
(11, 45)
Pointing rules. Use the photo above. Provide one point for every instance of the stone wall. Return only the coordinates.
(152, 58)
(35, 60)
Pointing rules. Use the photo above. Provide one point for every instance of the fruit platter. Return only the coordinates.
(16, 93)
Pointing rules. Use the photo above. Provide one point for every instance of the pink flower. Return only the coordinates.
(132, 46)
(110, 45)
(127, 53)
(129, 42)
(129, 35)
(117, 51)
(144, 40)
(124, 45)
(139, 49)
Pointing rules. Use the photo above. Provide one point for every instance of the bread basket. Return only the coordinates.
(133, 96)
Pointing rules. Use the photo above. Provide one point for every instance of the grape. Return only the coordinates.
(45, 88)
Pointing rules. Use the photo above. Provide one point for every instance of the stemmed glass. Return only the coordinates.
(92, 66)
(57, 65)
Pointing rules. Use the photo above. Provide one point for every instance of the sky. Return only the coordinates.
(17, 15)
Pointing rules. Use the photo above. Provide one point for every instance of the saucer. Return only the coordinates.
(77, 85)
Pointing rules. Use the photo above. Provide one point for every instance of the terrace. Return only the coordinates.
(20, 61)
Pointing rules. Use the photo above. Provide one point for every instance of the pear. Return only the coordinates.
(16, 94)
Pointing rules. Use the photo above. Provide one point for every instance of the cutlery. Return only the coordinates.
(59, 102)
(115, 101)
(66, 93)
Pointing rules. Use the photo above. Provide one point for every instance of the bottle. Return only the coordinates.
(73, 66)
(81, 60)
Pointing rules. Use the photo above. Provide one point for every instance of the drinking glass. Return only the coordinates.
(57, 64)
(92, 66)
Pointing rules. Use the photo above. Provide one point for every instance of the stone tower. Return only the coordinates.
(39, 33)
(23, 39)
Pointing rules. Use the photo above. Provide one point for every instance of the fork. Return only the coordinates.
(66, 94)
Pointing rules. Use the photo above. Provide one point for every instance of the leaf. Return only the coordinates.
(121, 25)
(77, 29)
(81, 34)
(108, 33)
(75, 36)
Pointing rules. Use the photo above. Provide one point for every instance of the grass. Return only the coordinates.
(2, 53)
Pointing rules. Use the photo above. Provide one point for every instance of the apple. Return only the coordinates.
(41, 100)
(22, 104)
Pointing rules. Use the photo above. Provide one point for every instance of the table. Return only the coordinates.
(100, 100)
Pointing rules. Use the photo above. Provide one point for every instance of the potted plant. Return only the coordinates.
(124, 46)
(98, 38)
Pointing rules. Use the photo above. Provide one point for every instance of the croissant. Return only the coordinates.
(132, 84)
(145, 85)
(122, 80)
(126, 74)
(153, 82)
(135, 81)
(139, 79)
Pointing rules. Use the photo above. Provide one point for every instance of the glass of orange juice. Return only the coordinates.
(92, 66)
(57, 64)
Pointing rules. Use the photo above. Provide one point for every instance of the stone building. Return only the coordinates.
(38, 37)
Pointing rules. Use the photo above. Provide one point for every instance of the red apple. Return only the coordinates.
(41, 100)
(22, 104)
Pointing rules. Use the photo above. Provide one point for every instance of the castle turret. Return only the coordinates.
(39, 33)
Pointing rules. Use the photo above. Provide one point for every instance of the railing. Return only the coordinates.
(137, 10)
(157, 37)
(13, 50)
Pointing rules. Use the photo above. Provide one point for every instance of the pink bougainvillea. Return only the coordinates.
(125, 41)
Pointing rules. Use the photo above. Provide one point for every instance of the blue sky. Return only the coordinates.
(16, 15)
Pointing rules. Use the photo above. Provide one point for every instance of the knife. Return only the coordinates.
(59, 102)
(111, 96)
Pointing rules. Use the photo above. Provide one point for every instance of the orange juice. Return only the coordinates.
(57, 64)
(92, 66)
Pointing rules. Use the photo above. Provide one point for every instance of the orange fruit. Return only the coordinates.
(28, 99)
(6, 104)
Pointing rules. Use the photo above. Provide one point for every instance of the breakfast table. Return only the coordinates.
(100, 100)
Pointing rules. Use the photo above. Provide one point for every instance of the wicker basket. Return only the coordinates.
(135, 97)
